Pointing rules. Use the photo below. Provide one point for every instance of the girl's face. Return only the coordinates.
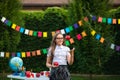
(59, 39)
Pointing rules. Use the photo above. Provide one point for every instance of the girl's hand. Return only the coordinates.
(72, 51)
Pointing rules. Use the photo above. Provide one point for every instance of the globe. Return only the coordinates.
(15, 64)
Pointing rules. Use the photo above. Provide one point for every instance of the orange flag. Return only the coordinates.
(33, 53)
(102, 40)
(38, 52)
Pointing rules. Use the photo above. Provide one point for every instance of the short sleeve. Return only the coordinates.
(68, 50)
(49, 52)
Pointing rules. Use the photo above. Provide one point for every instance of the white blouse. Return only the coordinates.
(60, 54)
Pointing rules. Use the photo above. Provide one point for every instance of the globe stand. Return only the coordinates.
(16, 73)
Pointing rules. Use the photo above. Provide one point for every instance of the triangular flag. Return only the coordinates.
(38, 52)
(84, 34)
(39, 34)
(13, 26)
(112, 46)
(30, 32)
(93, 32)
(28, 54)
(23, 54)
(79, 37)
(100, 19)
(67, 43)
(33, 53)
(114, 21)
(2, 54)
(118, 21)
(80, 23)
(44, 34)
(71, 40)
(17, 28)
(26, 31)
(98, 36)
(53, 33)
(7, 54)
(102, 40)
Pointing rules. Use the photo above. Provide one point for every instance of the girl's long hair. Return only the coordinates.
(53, 43)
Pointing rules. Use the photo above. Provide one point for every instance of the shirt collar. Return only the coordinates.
(59, 46)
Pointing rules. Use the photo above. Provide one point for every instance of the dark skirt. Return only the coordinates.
(60, 73)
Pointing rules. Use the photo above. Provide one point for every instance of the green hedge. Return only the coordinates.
(46, 21)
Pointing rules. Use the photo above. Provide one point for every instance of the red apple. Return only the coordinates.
(42, 73)
(28, 74)
(56, 64)
(67, 37)
(32, 75)
(47, 73)
(37, 74)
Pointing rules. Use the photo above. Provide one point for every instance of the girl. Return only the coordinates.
(58, 57)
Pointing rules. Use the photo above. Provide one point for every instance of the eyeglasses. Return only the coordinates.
(60, 38)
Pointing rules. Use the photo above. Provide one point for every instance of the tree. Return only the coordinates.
(9, 38)
(90, 53)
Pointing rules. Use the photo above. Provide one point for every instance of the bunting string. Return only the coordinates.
(63, 31)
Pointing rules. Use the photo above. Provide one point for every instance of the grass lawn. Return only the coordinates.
(96, 78)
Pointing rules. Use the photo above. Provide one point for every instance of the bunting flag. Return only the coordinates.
(63, 31)
(39, 33)
(98, 36)
(84, 34)
(112, 46)
(44, 51)
(79, 37)
(28, 54)
(102, 40)
(93, 32)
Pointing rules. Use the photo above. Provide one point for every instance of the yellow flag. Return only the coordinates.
(30, 32)
(53, 33)
(13, 26)
(23, 54)
(7, 54)
(118, 21)
(80, 23)
(93, 32)
(84, 34)
(44, 34)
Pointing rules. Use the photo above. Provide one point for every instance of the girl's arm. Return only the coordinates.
(70, 58)
(49, 62)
